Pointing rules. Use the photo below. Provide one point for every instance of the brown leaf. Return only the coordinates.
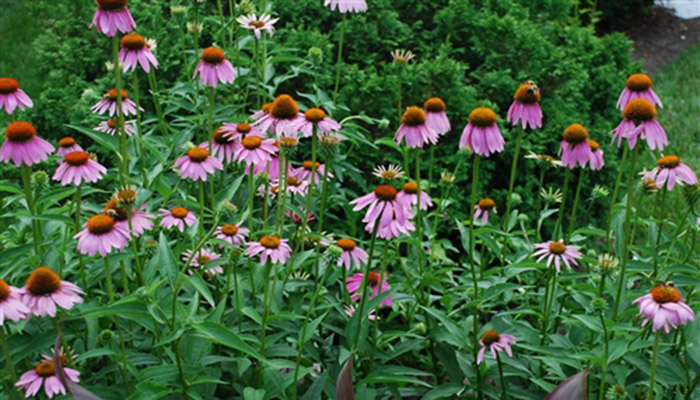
(78, 392)
(573, 388)
(343, 388)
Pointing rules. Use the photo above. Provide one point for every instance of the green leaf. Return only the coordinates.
(224, 336)
(198, 283)
(166, 260)
(250, 393)
(104, 139)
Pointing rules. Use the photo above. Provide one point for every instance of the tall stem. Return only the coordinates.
(504, 388)
(135, 247)
(324, 193)
(339, 62)
(108, 280)
(139, 132)
(558, 231)
(251, 196)
(256, 55)
(626, 244)
(310, 192)
(419, 219)
(613, 199)
(120, 114)
(538, 204)
(601, 390)
(212, 94)
(654, 356)
(577, 197)
(156, 104)
(27, 182)
(511, 182)
(78, 200)
(8, 361)
(364, 286)
(472, 265)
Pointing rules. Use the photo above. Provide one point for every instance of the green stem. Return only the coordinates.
(419, 220)
(613, 199)
(78, 199)
(324, 193)
(538, 204)
(558, 231)
(27, 182)
(511, 182)
(660, 224)
(339, 62)
(120, 114)
(601, 390)
(139, 132)
(626, 244)
(135, 248)
(504, 388)
(364, 286)
(472, 250)
(156, 104)
(577, 197)
(202, 207)
(108, 280)
(654, 355)
(8, 361)
(310, 192)
(212, 95)
(251, 196)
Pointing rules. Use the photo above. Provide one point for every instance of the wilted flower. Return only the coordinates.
(402, 56)
(607, 262)
(551, 195)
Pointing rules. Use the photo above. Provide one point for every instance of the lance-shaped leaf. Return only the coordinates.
(78, 392)
(573, 388)
(343, 387)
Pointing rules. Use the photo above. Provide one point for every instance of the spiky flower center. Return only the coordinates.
(490, 337)
(256, 24)
(284, 107)
(20, 132)
(486, 204)
(410, 187)
(197, 154)
(179, 212)
(112, 208)
(346, 244)
(100, 224)
(668, 162)
(126, 196)
(77, 158)
(66, 142)
(639, 110)
(665, 294)
(220, 138)
(212, 55)
(315, 114)
(270, 242)
(45, 369)
(266, 107)
(43, 282)
(593, 145)
(308, 165)
(638, 82)
(386, 192)
(374, 278)
(413, 116)
(229, 229)
(112, 94)
(8, 85)
(557, 248)
(251, 142)
(112, 123)
(203, 260)
(527, 93)
(293, 181)
(434, 104)
(575, 134)
(288, 142)
(482, 117)
(133, 41)
(111, 5)
(243, 128)
(4, 291)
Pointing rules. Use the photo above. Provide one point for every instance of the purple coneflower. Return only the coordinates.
(140, 220)
(45, 290)
(640, 120)
(315, 116)
(496, 343)
(214, 68)
(110, 126)
(263, 111)
(109, 104)
(402, 56)
(257, 25)
(22, 145)
(526, 106)
(101, 235)
(11, 305)
(305, 172)
(558, 252)
(255, 150)
(665, 307)
(283, 117)
(344, 6)
(388, 173)
(223, 146)
(12, 97)
(67, 145)
(76, 167)
(409, 196)
(351, 254)
(483, 207)
(354, 283)
(200, 260)
(269, 246)
(232, 233)
(295, 185)
(574, 147)
(239, 131)
(197, 164)
(596, 159)
(395, 228)
(638, 86)
(481, 134)
(134, 51)
(669, 170)
(112, 15)
(414, 130)
(44, 374)
(383, 206)
(435, 116)
(178, 217)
